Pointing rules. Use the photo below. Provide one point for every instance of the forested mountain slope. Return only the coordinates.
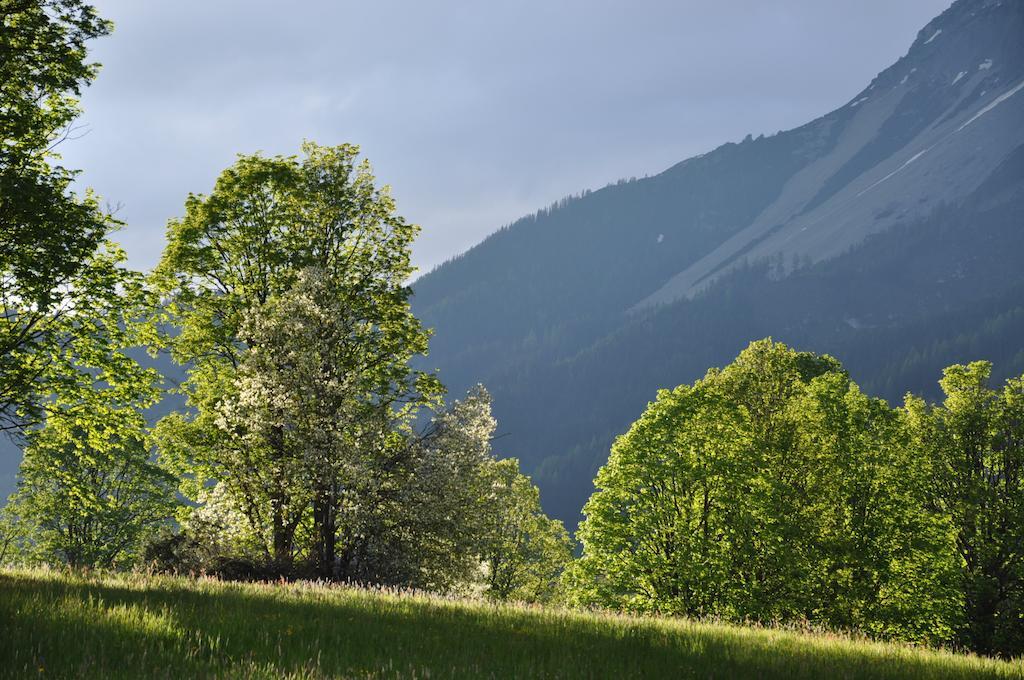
(887, 232)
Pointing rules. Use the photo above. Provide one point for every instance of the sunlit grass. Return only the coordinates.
(55, 624)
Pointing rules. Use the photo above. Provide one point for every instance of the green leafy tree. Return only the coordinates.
(886, 563)
(288, 287)
(87, 490)
(524, 552)
(976, 440)
(331, 365)
(655, 534)
(456, 518)
(422, 517)
(774, 547)
(771, 490)
(702, 508)
(47, 235)
(14, 532)
(68, 307)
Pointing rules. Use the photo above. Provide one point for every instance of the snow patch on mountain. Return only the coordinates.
(996, 102)
(896, 171)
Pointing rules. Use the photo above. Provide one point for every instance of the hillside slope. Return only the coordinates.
(96, 626)
(888, 232)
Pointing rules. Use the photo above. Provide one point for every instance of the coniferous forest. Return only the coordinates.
(258, 408)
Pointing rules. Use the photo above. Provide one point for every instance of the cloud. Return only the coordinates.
(476, 113)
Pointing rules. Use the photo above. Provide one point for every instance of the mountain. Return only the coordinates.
(889, 232)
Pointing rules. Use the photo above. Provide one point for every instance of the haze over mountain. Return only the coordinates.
(889, 232)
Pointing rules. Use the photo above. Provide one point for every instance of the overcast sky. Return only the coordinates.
(475, 112)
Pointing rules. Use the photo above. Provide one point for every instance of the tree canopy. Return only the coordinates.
(772, 490)
(49, 235)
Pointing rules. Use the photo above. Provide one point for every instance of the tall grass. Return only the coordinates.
(60, 624)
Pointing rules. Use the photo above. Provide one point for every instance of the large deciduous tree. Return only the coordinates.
(88, 491)
(69, 310)
(48, 236)
(771, 490)
(976, 443)
(523, 551)
(287, 285)
(420, 514)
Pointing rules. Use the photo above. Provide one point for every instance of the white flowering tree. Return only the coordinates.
(287, 289)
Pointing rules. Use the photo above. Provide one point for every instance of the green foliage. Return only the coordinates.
(976, 441)
(87, 490)
(288, 287)
(132, 626)
(49, 236)
(524, 552)
(14, 543)
(91, 503)
(43, 45)
(886, 562)
(449, 517)
(772, 490)
(423, 524)
(69, 311)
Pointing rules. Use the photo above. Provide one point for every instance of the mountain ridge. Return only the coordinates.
(545, 308)
(885, 130)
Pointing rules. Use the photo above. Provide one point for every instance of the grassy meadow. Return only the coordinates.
(57, 624)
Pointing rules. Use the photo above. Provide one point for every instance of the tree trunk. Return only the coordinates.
(326, 531)
(281, 529)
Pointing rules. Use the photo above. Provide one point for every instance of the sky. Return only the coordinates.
(476, 113)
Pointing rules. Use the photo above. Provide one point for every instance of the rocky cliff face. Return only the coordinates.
(927, 130)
